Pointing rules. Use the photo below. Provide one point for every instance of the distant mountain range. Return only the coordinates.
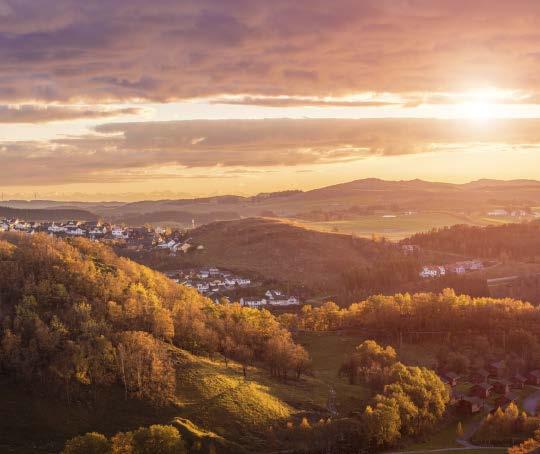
(371, 192)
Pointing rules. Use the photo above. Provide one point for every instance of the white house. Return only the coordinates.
(203, 287)
(57, 228)
(498, 212)
(75, 231)
(118, 232)
(432, 271)
(285, 301)
(203, 274)
(273, 294)
(243, 282)
(253, 302)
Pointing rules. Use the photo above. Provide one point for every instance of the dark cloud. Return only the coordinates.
(141, 151)
(46, 114)
(167, 49)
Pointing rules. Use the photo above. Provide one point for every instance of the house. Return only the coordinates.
(456, 268)
(432, 271)
(75, 231)
(533, 377)
(253, 302)
(273, 294)
(502, 386)
(481, 390)
(496, 369)
(57, 228)
(518, 381)
(498, 212)
(243, 282)
(519, 213)
(451, 378)
(408, 249)
(214, 271)
(203, 287)
(479, 376)
(277, 298)
(469, 405)
(203, 274)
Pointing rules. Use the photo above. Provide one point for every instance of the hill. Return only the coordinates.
(182, 218)
(104, 341)
(277, 250)
(47, 214)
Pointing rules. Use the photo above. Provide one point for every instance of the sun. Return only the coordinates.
(478, 110)
(480, 105)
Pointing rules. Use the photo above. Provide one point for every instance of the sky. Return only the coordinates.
(131, 99)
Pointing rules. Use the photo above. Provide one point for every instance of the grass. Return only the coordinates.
(35, 423)
(401, 226)
(444, 438)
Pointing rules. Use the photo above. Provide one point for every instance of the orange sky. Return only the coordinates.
(129, 99)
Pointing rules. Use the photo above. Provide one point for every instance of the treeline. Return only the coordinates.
(74, 317)
(445, 312)
(471, 332)
(508, 241)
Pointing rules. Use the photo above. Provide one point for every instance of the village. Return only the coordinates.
(211, 282)
(137, 239)
(496, 386)
(218, 284)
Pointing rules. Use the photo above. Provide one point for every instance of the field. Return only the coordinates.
(401, 226)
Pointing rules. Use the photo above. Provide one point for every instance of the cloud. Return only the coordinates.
(120, 152)
(46, 114)
(165, 49)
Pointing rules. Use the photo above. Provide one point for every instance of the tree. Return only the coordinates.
(383, 422)
(90, 443)
(158, 439)
(145, 367)
(123, 443)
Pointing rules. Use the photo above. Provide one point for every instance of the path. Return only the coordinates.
(476, 448)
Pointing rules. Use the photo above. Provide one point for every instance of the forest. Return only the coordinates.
(78, 322)
(519, 241)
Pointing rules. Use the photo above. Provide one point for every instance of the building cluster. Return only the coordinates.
(495, 386)
(499, 212)
(211, 281)
(214, 283)
(271, 298)
(453, 268)
(132, 238)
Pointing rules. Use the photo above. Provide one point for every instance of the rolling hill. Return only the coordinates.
(51, 214)
(278, 250)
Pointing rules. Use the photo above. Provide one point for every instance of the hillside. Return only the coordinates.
(111, 345)
(53, 214)
(278, 250)
(182, 218)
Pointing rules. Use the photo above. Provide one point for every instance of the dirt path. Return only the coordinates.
(476, 448)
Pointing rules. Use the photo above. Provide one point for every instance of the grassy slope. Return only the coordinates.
(214, 405)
